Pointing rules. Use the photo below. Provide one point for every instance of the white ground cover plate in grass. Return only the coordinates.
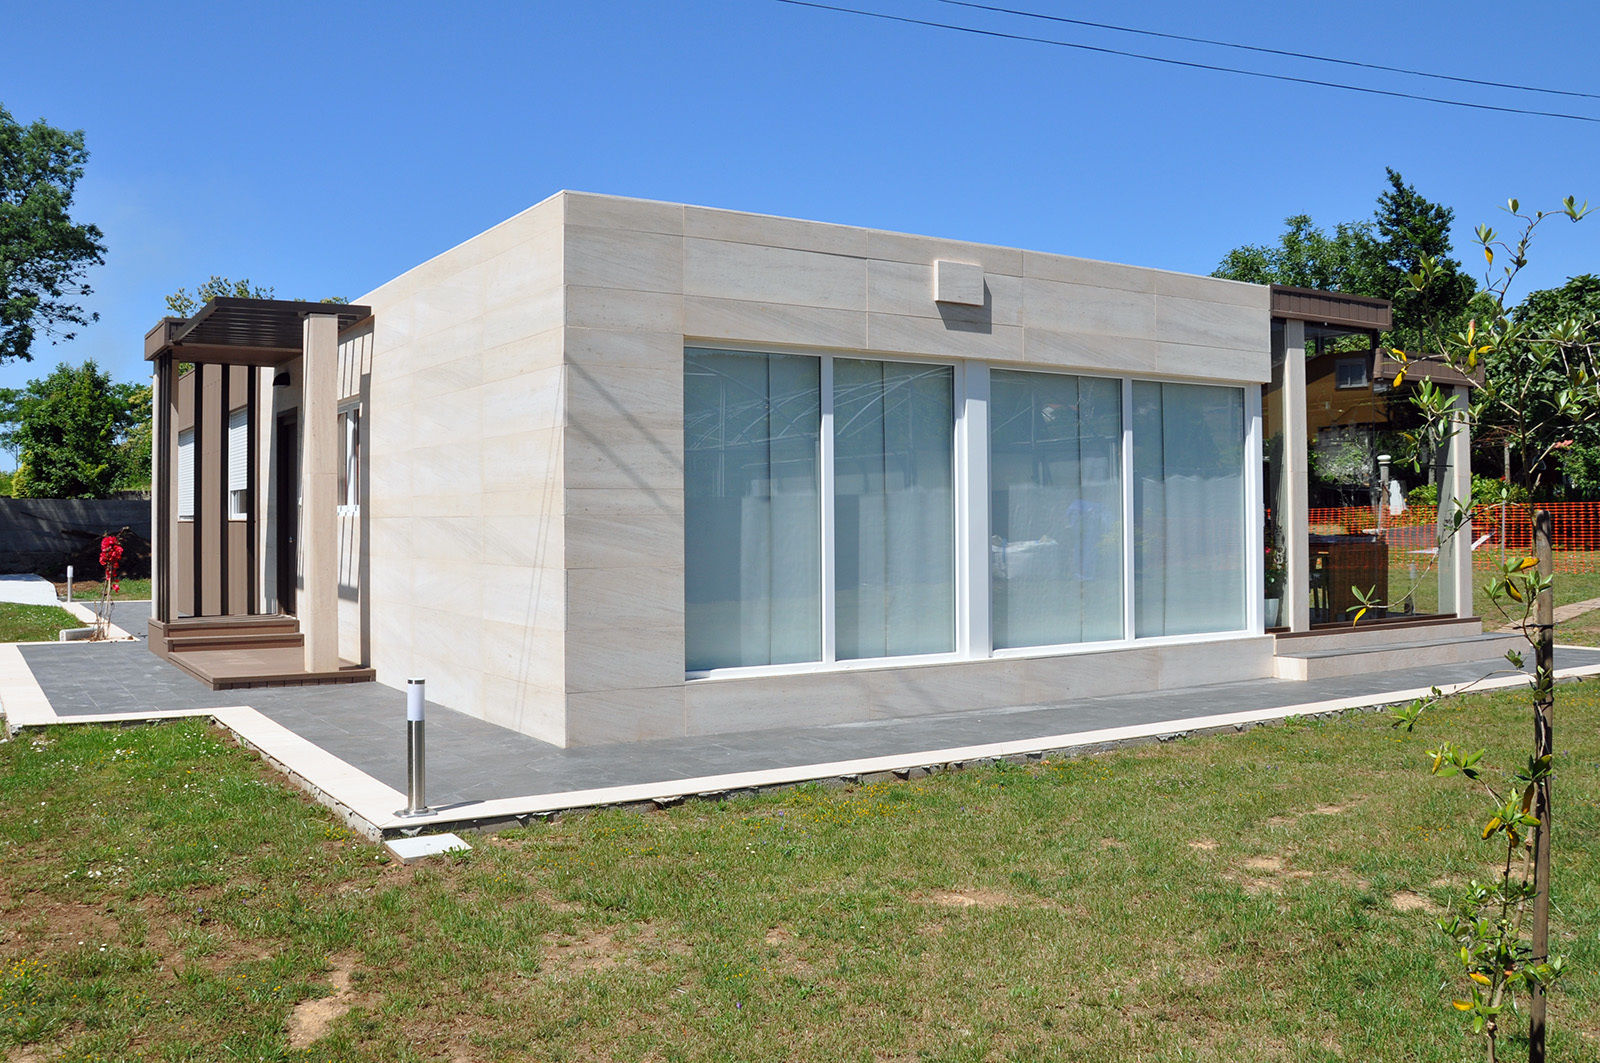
(410, 850)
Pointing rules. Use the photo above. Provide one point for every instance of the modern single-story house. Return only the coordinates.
(619, 469)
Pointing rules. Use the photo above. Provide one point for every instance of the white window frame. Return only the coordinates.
(970, 469)
(350, 456)
(238, 464)
(186, 465)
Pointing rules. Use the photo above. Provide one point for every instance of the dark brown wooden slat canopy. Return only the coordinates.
(1336, 311)
(235, 331)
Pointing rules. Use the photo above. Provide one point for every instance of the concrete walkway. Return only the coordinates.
(347, 743)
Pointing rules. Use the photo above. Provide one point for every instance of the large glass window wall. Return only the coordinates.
(832, 503)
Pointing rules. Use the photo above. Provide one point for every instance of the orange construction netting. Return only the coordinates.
(1497, 531)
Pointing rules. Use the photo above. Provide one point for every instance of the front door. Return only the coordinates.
(287, 493)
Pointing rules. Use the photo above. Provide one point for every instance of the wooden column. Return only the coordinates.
(252, 427)
(197, 478)
(224, 585)
(164, 409)
(318, 607)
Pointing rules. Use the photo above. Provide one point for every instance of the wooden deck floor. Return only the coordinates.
(262, 666)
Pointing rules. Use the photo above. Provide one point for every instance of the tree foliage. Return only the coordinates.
(1533, 375)
(183, 304)
(43, 252)
(71, 431)
(1370, 257)
(1502, 934)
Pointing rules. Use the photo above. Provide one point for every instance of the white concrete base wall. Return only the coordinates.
(711, 706)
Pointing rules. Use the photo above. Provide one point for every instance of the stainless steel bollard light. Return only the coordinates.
(416, 751)
(69, 584)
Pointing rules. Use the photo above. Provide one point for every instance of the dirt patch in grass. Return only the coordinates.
(1407, 901)
(1291, 818)
(604, 948)
(1270, 874)
(969, 898)
(53, 926)
(1205, 845)
(311, 1020)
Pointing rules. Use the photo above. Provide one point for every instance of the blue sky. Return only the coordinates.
(324, 148)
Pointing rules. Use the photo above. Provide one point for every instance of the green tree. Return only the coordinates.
(183, 304)
(70, 431)
(43, 252)
(1371, 258)
(1307, 257)
(1410, 229)
(1527, 379)
(136, 442)
(1502, 934)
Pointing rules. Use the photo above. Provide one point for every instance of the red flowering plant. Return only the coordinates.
(111, 562)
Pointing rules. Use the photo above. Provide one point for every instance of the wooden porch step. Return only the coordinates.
(193, 632)
(195, 625)
(189, 643)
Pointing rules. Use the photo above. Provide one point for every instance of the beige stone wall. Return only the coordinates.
(464, 503)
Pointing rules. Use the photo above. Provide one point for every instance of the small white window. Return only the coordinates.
(1352, 373)
(238, 464)
(186, 474)
(350, 457)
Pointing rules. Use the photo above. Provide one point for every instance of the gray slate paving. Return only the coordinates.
(470, 760)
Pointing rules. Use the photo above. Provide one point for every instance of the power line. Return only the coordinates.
(1184, 62)
(1267, 51)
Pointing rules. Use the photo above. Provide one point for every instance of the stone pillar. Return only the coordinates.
(318, 601)
(1455, 553)
(1295, 496)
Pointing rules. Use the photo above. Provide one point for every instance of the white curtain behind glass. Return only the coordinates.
(1188, 508)
(752, 523)
(894, 516)
(1055, 480)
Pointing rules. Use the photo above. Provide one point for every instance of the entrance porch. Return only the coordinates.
(1321, 576)
(244, 581)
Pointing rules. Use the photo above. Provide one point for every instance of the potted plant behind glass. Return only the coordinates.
(1273, 613)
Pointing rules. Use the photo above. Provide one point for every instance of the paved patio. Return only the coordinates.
(478, 771)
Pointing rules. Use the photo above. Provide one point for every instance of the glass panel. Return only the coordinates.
(752, 518)
(1188, 508)
(894, 517)
(1055, 508)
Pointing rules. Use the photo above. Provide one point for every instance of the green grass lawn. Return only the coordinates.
(88, 590)
(1266, 896)
(33, 623)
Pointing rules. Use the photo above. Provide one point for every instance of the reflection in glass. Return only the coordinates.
(1188, 508)
(752, 520)
(894, 516)
(1055, 510)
